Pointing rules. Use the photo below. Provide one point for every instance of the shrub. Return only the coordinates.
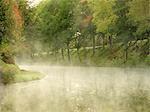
(1, 63)
(147, 60)
(8, 73)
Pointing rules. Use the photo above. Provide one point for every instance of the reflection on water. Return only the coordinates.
(80, 89)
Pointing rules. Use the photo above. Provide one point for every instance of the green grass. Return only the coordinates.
(24, 76)
(102, 57)
(12, 74)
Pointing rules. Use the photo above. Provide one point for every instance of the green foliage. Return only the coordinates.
(103, 14)
(139, 14)
(147, 60)
(1, 62)
(25, 11)
(57, 21)
(8, 73)
(5, 21)
(24, 76)
(53, 27)
(10, 27)
(12, 74)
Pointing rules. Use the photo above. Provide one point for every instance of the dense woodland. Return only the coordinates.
(78, 32)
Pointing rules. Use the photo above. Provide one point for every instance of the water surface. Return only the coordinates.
(80, 89)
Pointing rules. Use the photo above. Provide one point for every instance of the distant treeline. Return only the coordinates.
(85, 30)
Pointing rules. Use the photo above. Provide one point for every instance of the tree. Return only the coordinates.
(57, 23)
(104, 17)
(10, 29)
(123, 28)
(30, 32)
(3, 21)
(139, 15)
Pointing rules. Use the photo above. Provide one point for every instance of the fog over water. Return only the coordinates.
(80, 89)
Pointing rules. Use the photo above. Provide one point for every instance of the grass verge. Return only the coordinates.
(10, 73)
(24, 76)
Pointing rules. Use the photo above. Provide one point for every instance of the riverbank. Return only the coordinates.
(85, 57)
(10, 73)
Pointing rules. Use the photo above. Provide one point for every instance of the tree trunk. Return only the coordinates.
(78, 54)
(62, 53)
(110, 41)
(103, 41)
(85, 55)
(126, 54)
(55, 53)
(93, 45)
(147, 48)
(68, 52)
(148, 44)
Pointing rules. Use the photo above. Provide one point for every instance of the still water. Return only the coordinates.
(80, 89)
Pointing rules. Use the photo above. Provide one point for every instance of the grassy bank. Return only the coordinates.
(10, 73)
(102, 57)
(25, 76)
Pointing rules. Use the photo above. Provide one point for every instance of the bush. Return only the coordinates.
(1, 63)
(147, 60)
(8, 73)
